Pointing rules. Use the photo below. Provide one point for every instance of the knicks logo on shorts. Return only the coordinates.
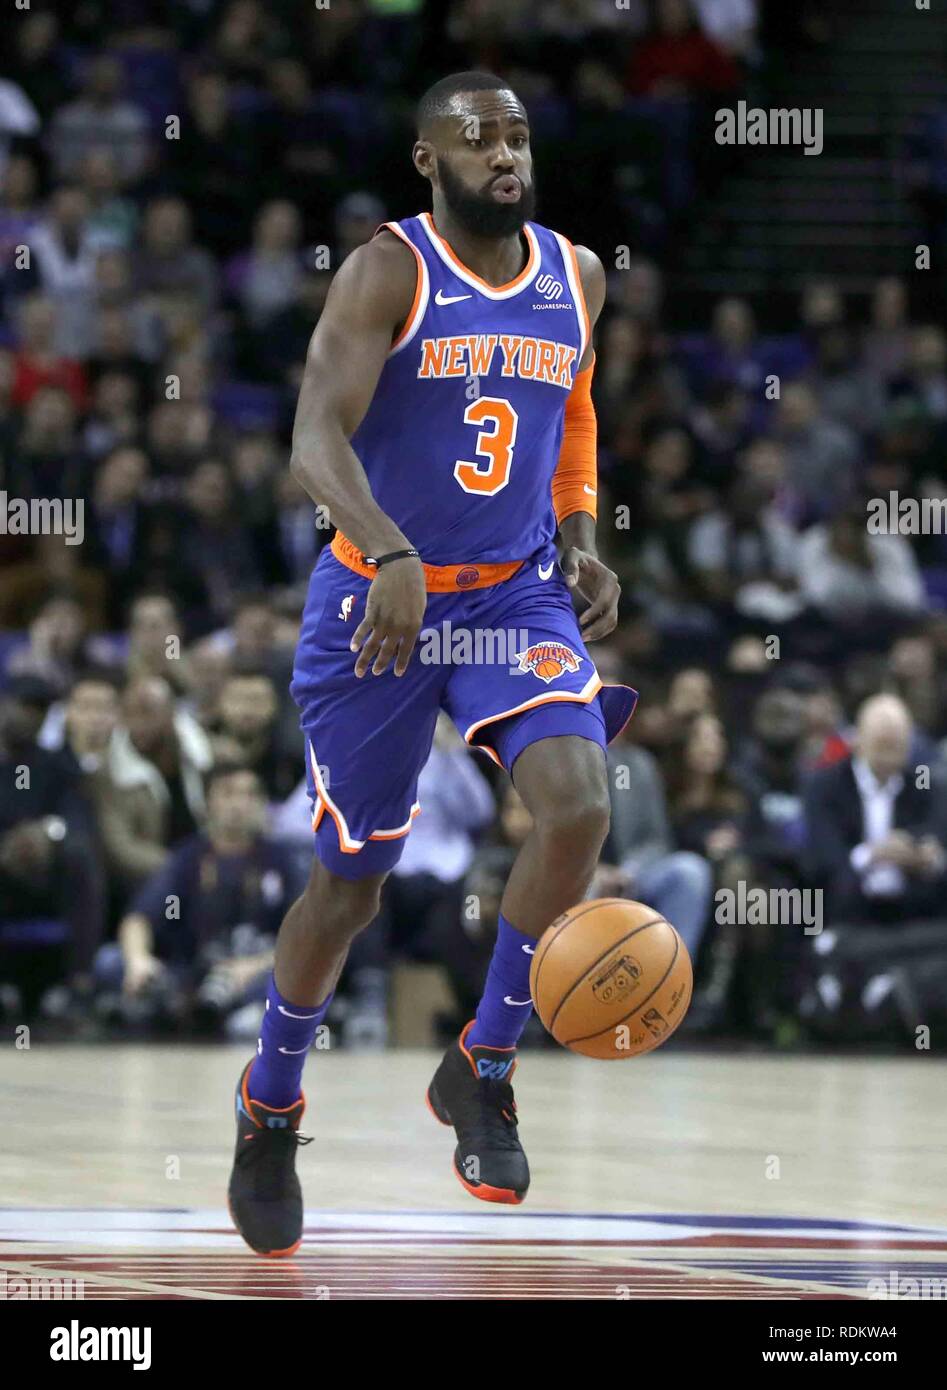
(549, 660)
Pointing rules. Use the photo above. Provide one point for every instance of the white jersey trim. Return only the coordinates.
(578, 295)
(456, 267)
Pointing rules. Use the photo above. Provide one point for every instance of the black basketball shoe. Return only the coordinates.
(471, 1090)
(265, 1199)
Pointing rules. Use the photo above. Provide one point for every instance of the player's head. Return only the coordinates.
(473, 145)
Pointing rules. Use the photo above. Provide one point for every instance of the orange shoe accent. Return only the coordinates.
(267, 1254)
(438, 579)
(427, 1102)
(463, 1047)
(484, 1193)
(274, 1109)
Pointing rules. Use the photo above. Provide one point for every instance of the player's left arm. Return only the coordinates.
(575, 482)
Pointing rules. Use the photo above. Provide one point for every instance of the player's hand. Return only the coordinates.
(596, 582)
(394, 612)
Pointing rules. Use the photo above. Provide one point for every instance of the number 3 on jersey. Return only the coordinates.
(494, 446)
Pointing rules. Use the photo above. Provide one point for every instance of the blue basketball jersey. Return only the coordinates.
(462, 436)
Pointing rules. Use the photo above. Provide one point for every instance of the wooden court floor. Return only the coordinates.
(679, 1175)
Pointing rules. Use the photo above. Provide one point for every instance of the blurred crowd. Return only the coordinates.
(179, 182)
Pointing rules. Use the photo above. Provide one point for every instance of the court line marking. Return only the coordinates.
(118, 1282)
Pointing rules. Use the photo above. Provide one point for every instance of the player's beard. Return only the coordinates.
(478, 213)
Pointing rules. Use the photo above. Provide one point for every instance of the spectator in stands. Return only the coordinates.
(707, 808)
(39, 362)
(19, 206)
(844, 390)
(640, 859)
(48, 460)
(157, 759)
(875, 838)
(266, 278)
(886, 342)
(65, 252)
(769, 769)
(220, 155)
(730, 23)
(247, 733)
(859, 582)
(168, 262)
(208, 666)
(199, 936)
(357, 218)
(679, 60)
(154, 639)
(745, 556)
(100, 117)
(51, 887)
(925, 380)
(225, 555)
(55, 644)
(113, 217)
(821, 454)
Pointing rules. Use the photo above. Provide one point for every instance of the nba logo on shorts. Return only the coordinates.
(345, 612)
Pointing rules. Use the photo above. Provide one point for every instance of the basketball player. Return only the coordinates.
(445, 420)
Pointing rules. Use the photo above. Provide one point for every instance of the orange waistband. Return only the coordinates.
(439, 579)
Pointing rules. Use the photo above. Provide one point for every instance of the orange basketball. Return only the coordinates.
(549, 667)
(611, 978)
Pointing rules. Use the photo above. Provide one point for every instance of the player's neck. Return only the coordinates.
(498, 260)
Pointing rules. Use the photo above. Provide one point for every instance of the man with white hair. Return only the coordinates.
(876, 823)
(876, 835)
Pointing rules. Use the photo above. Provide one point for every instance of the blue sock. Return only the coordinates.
(286, 1035)
(500, 1023)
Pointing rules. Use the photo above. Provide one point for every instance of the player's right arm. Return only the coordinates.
(370, 298)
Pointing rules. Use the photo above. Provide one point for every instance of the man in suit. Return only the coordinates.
(876, 823)
(875, 843)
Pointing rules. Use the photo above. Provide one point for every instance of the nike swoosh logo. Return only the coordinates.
(442, 298)
(289, 1015)
(590, 490)
(292, 1051)
(544, 574)
(521, 1003)
(530, 950)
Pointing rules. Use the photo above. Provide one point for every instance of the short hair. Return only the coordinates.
(95, 674)
(219, 772)
(436, 101)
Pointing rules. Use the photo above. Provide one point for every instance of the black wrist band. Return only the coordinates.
(392, 555)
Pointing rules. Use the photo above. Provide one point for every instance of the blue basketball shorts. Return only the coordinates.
(507, 664)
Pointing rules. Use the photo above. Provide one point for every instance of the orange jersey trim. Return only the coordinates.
(412, 322)
(438, 579)
(577, 697)
(521, 279)
(580, 292)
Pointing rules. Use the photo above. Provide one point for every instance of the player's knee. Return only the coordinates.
(341, 907)
(577, 819)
